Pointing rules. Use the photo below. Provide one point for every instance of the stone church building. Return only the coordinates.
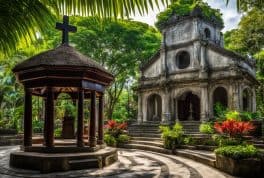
(192, 72)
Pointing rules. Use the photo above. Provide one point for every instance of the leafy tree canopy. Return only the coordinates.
(249, 37)
(184, 8)
(119, 45)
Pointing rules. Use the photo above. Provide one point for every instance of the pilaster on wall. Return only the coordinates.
(204, 102)
(166, 111)
(140, 106)
(235, 96)
(254, 105)
(203, 62)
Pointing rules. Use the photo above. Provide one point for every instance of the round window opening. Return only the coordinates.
(183, 60)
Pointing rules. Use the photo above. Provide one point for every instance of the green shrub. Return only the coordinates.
(221, 140)
(206, 128)
(189, 141)
(58, 132)
(172, 137)
(220, 111)
(238, 152)
(109, 140)
(233, 115)
(122, 138)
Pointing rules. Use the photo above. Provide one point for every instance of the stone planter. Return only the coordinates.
(250, 167)
(257, 132)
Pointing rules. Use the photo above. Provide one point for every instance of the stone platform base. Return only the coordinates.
(53, 162)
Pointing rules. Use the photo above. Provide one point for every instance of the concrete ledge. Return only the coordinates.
(250, 167)
(52, 162)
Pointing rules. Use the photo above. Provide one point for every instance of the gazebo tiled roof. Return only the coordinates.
(63, 67)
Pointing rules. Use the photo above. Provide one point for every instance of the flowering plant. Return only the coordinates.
(234, 128)
(114, 128)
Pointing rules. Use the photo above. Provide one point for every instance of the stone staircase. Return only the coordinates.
(191, 127)
(147, 137)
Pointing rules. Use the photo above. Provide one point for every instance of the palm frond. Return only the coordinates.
(19, 21)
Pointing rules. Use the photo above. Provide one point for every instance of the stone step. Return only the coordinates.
(145, 135)
(190, 122)
(197, 135)
(84, 164)
(151, 143)
(147, 148)
(144, 131)
(144, 127)
(198, 156)
(139, 128)
(146, 139)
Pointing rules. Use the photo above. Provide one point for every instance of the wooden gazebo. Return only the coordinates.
(63, 70)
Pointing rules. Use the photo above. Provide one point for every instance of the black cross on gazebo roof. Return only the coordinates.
(65, 28)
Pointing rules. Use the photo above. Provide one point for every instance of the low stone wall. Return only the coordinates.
(48, 162)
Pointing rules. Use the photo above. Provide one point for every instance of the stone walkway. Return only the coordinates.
(131, 164)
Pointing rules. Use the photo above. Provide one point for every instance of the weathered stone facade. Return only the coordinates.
(192, 72)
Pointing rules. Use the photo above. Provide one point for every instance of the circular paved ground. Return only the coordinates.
(131, 164)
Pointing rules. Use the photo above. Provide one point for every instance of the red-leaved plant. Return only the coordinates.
(114, 128)
(234, 128)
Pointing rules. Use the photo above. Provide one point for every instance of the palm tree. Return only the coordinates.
(20, 20)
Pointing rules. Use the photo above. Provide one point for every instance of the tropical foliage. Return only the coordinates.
(206, 128)
(238, 152)
(172, 137)
(114, 128)
(115, 133)
(233, 128)
(184, 8)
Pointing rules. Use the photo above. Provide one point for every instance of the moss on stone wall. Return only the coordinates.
(184, 8)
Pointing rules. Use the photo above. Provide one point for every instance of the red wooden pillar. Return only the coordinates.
(101, 120)
(80, 119)
(49, 118)
(28, 118)
(92, 130)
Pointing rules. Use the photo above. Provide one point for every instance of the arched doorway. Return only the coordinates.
(154, 108)
(246, 100)
(188, 107)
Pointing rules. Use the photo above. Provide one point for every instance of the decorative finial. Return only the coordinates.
(65, 28)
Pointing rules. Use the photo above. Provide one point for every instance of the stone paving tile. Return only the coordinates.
(131, 164)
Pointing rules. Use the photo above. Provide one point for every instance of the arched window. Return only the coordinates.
(154, 106)
(207, 33)
(220, 96)
(246, 102)
(183, 60)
